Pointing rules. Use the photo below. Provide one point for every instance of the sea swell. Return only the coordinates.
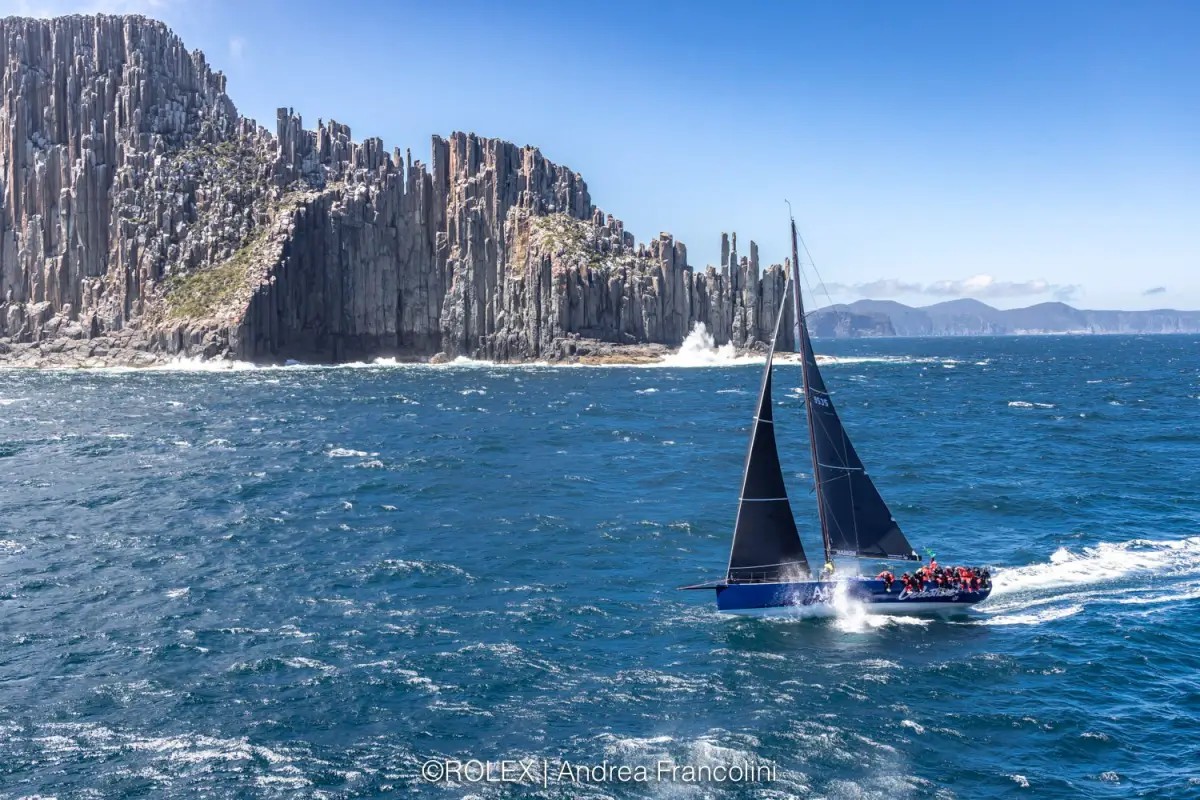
(258, 614)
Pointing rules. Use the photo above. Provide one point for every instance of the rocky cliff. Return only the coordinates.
(142, 219)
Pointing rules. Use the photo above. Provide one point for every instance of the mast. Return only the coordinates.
(766, 545)
(800, 329)
(855, 520)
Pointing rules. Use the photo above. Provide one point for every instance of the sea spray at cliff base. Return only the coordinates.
(699, 349)
(350, 571)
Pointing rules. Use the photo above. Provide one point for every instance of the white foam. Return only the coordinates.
(95, 740)
(343, 452)
(853, 617)
(1101, 563)
(1026, 404)
(1168, 597)
(1036, 618)
(423, 567)
(1033, 594)
(309, 663)
(177, 593)
(699, 349)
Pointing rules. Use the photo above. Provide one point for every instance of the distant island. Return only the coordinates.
(968, 317)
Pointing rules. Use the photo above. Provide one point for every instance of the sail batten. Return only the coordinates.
(766, 544)
(855, 520)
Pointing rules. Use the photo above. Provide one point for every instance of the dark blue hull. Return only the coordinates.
(784, 599)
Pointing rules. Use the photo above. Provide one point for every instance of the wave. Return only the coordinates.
(1035, 618)
(57, 740)
(1140, 572)
(344, 452)
(846, 614)
(1026, 404)
(1102, 563)
(700, 349)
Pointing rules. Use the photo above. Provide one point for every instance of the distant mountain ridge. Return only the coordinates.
(968, 317)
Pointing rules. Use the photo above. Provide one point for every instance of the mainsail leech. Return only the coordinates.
(804, 346)
(766, 544)
(855, 521)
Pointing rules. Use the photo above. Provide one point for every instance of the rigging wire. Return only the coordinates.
(843, 440)
(837, 312)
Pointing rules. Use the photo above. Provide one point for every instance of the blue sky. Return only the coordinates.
(1012, 151)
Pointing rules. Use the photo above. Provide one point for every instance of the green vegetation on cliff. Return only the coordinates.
(204, 293)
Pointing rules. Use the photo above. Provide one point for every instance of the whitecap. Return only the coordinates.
(1101, 563)
(1036, 618)
(423, 567)
(343, 452)
(1168, 597)
(309, 663)
(373, 464)
(177, 593)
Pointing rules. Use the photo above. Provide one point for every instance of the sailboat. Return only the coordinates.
(768, 572)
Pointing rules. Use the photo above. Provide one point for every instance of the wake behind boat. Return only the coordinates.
(768, 572)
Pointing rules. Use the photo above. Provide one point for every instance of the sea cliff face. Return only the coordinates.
(143, 219)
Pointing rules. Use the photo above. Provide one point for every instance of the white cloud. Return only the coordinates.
(986, 286)
(978, 286)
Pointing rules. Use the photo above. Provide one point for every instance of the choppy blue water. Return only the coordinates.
(307, 582)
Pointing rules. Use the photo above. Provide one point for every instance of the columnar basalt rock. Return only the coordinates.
(141, 218)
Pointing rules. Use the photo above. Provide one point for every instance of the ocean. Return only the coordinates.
(316, 582)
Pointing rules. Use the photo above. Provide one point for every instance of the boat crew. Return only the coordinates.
(855, 521)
